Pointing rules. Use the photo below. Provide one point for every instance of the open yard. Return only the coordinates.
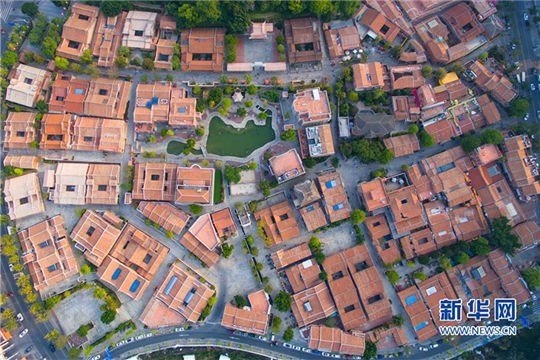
(218, 186)
(229, 141)
(176, 148)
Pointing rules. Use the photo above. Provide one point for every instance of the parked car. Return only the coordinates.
(179, 329)
(52, 348)
(533, 87)
(11, 267)
(20, 318)
(22, 333)
(287, 345)
(28, 349)
(525, 16)
(538, 114)
(97, 357)
(260, 337)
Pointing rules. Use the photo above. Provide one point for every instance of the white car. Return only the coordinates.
(422, 348)
(11, 267)
(97, 357)
(139, 337)
(287, 345)
(326, 354)
(533, 87)
(20, 318)
(526, 117)
(22, 333)
(306, 350)
(525, 16)
(179, 329)
(260, 337)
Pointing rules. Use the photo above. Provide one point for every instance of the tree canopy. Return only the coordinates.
(283, 301)
(503, 237)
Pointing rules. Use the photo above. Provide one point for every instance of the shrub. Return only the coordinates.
(230, 46)
(413, 129)
(30, 9)
(283, 301)
(323, 275)
(531, 276)
(86, 269)
(195, 209)
(393, 276)
(148, 64)
(423, 259)
(315, 244)
(271, 96)
(9, 59)
(470, 143)
(227, 250)
(398, 320)
(289, 135)
(288, 335)
(108, 316)
(74, 352)
(240, 301)
(358, 216)
(426, 139)
(420, 276)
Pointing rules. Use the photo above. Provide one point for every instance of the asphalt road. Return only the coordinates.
(208, 332)
(525, 33)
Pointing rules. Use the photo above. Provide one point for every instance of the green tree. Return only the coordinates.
(166, 133)
(482, 57)
(426, 139)
(470, 143)
(52, 335)
(121, 62)
(323, 275)
(195, 209)
(420, 276)
(30, 9)
(240, 301)
(503, 237)
(393, 276)
(358, 216)
(283, 301)
(61, 341)
(480, 246)
(445, 263)
(75, 352)
(232, 174)
(264, 185)
(353, 96)
(296, 6)
(252, 89)
(398, 320)
(491, 136)
(87, 57)
(148, 64)
(248, 103)
(276, 323)
(169, 234)
(519, 107)
(320, 257)
(458, 68)
(9, 59)
(315, 244)
(227, 250)
(440, 73)
(152, 139)
(288, 334)
(99, 293)
(108, 316)
(531, 275)
(462, 258)
(111, 8)
(199, 131)
(4, 219)
(413, 129)
(289, 135)
(61, 63)
(86, 269)
(48, 47)
(370, 350)
(124, 51)
(386, 156)
(241, 112)
(427, 71)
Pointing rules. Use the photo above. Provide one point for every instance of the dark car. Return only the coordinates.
(52, 347)
(28, 349)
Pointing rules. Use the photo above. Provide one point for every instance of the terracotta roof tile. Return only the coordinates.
(202, 49)
(312, 304)
(22, 195)
(224, 223)
(279, 222)
(334, 196)
(303, 40)
(418, 313)
(285, 257)
(368, 76)
(19, 130)
(166, 215)
(95, 235)
(180, 298)
(47, 253)
(154, 181)
(334, 340)
(202, 240)
(195, 184)
(402, 145)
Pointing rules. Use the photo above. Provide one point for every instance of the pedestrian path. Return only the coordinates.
(5, 8)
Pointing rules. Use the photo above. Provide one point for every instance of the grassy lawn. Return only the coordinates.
(218, 186)
(176, 148)
(228, 141)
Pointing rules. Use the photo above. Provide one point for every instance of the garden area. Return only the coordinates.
(176, 148)
(226, 140)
